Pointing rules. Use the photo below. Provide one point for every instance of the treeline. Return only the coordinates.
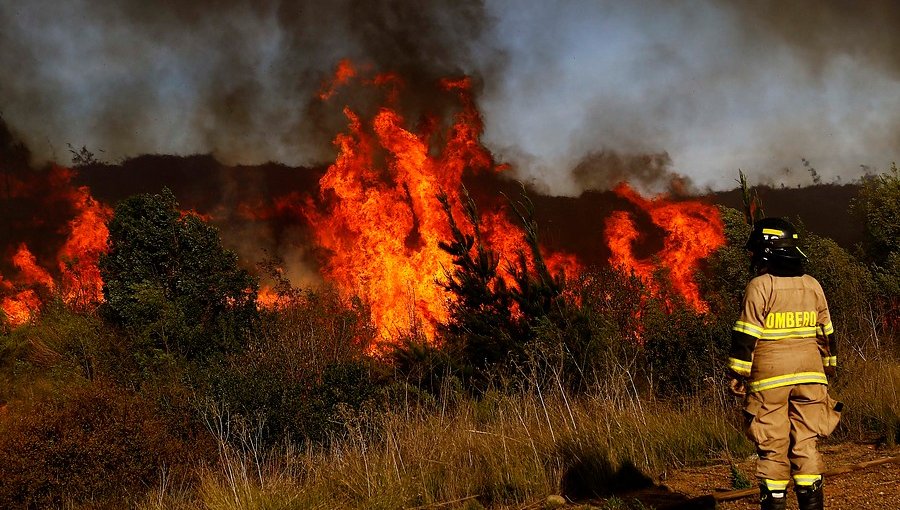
(179, 368)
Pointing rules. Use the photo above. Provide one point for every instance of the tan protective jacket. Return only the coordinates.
(784, 335)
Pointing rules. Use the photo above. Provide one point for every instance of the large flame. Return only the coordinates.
(382, 220)
(376, 219)
(77, 278)
(693, 230)
(82, 286)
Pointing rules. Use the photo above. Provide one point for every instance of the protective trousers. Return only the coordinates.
(786, 423)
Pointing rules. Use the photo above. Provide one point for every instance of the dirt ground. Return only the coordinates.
(874, 488)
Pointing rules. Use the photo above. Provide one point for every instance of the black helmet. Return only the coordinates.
(773, 243)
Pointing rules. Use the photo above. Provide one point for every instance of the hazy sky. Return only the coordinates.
(575, 94)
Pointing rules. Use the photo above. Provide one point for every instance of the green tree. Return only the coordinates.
(846, 281)
(878, 205)
(168, 279)
(527, 324)
(729, 267)
(481, 329)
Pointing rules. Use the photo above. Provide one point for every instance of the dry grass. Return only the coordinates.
(502, 451)
(511, 450)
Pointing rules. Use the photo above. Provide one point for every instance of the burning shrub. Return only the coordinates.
(95, 444)
(168, 279)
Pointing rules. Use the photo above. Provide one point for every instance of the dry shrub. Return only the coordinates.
(303, 366)
(870, 390)
(94, 444)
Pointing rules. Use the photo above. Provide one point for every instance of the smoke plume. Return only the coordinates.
(714, 85)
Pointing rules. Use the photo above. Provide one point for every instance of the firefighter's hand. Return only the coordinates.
(830, 372)
(736, 387)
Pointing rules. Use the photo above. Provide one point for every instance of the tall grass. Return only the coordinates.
(502, 450)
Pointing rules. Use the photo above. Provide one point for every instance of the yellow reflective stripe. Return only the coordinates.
(829, 361)
(740, 366)
(780, 334)
(773, 232)
(806, 479)
(788, 380)
(776, 485)
(828, 328)
(750, 329)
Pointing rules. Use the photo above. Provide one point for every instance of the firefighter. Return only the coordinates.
(782, 350)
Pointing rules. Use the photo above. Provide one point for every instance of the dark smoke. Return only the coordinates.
(232, 78)
(715, 85)
(604, 170)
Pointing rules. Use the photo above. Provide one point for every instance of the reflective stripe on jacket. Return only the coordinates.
(784, 335)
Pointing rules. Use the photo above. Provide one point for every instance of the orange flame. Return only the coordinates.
(78, 281)
(29, 270)
(20, 308)
(382, 220)
(344, 73)
(693, 231)
(80, 254)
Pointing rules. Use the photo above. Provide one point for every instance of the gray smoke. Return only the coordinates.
(713, 85)
(233, 78)
(716, 85)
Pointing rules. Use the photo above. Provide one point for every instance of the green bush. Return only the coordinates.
(95, 444)
(168, 279)
(303, 369)
(308, 408)
(878, 205)
(685, 350)
(728, 268)
(847, 283)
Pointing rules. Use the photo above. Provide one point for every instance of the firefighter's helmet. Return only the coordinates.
(774, 245)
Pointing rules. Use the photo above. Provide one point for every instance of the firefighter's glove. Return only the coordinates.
(737, 387)
(831, 372)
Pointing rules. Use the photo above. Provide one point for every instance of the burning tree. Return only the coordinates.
(512, 316)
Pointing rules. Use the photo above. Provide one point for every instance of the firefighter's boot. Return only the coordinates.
(811, 497)
(772, 500)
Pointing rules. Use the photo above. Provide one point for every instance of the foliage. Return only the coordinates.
(423, 365)
(303, 370)
(498, 328)
(94, 444)
(309, 408)
(847, 283)
(168, 280)
(685, 350)
(878, 205)
(738, 479)
(83, 157)
(728, 269)
(481, 328)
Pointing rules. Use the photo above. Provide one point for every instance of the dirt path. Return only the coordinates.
(875, 488)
